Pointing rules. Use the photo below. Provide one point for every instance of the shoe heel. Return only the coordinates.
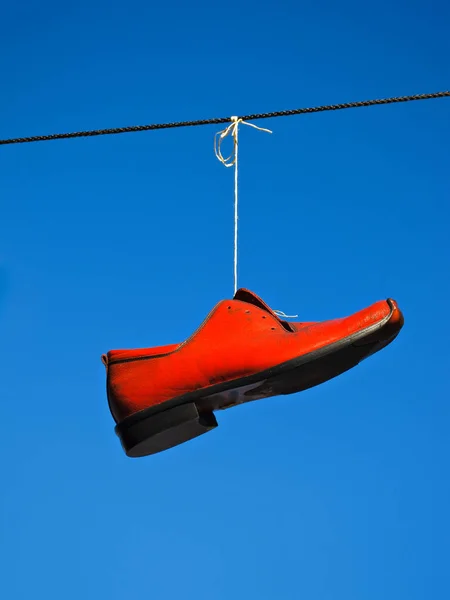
(163, 430)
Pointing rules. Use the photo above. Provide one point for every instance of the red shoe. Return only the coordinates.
(161, 397)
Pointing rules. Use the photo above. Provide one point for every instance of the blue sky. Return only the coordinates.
(126, 241)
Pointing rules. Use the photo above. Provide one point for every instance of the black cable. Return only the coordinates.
(220, 121)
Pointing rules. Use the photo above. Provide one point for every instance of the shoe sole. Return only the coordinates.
(186, 417)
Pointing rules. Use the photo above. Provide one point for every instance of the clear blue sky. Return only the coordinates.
(339, 493)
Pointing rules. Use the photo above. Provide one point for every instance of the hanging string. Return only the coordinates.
(281, 314)
(233, 161)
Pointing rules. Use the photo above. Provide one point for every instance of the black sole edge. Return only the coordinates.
(165, 430)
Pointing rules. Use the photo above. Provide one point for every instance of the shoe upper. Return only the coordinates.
(239, 338)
